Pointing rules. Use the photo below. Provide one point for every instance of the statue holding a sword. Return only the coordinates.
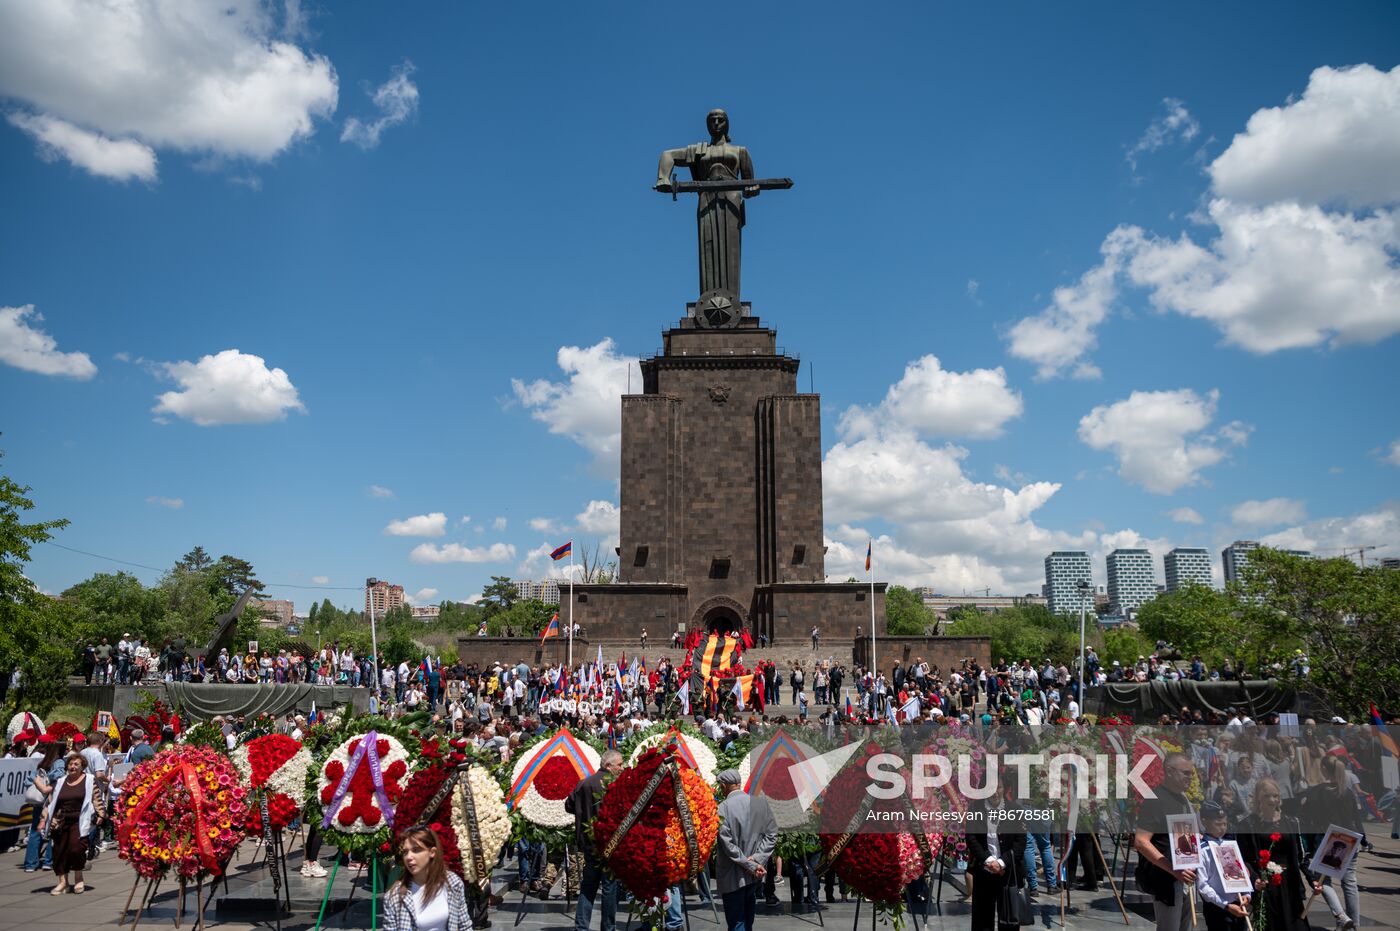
(722, 177)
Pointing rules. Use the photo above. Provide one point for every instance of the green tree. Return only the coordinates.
(905, 613)
(523, 619)
(110, 604)
(1345, 618)
(1196, 619)
(37, 633)
(196, 560)
(499, 595)
(1124, 645)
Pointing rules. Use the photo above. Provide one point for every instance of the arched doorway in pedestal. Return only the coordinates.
(720, 615)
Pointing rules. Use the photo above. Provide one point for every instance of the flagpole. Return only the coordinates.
(571, 608)
(874, 666)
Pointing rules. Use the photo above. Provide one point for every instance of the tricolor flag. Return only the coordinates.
(738, 692)
(683, 694)
(1388, 747)
(849, 711)
(566, 550)
(868, 546)
(551, 629)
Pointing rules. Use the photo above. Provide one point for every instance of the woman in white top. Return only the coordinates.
(427, 897)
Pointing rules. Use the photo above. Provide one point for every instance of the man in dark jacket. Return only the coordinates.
(995, 855)
(583, 803)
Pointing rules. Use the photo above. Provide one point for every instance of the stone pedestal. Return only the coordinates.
(721, 498)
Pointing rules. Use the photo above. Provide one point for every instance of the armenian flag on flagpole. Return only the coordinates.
(551, 629)
(562, 552)
(869, 545)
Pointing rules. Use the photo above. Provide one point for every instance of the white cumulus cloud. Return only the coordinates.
(1157, 437)
(1059, 338)
(430, 554)
(1392, 456)
(1337, 143)
(587, 405)
(379, 491)
(1329, 536)
(320, 580)
(227, 388)
(173, 503)
(1175, 124)
(1303, 242)
(499, 524)
(600, 517)
(543, 525)
(220, 79)
(118, 159)
(25, 346)
(396, 100)
(933, 401)
(1186, 516)
(422, 596)
(421, 525)
(1268, 513)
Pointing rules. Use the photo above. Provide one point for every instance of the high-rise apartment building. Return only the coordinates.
(546, 590)
(276, 612)
(1064, 570)
(1235, 557)
(383, 597)
(1131, 580)
(1187, 565)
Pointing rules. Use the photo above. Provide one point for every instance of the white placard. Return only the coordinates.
(1184, 836)
(1335, 853)
(1234, 874)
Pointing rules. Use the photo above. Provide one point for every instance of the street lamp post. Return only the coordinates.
(373, 639)
(1084, 589)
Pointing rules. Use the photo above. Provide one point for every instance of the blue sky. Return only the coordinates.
(1065, 276)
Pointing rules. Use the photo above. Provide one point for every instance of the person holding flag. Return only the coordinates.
(551, 629)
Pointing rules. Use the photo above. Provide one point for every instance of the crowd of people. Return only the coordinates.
(1259, 785)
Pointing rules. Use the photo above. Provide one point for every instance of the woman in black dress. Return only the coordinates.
(68, 820)
(1281, 892)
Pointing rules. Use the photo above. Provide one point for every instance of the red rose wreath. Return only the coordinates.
(642, 829)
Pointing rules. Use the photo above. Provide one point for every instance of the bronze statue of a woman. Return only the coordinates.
(719, 214)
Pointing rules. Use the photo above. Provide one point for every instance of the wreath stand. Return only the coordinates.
(373, 867)
(148, 897)
(564, 873)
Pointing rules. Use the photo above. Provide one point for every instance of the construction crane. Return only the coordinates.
(1359, 552)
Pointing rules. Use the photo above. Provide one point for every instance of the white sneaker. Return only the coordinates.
(313, 870)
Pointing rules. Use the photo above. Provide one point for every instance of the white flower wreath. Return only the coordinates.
(342, 754)
(788, 812)
(492, 820)
(22, 721)
(705, 761)
(532, 805)
(289, 779)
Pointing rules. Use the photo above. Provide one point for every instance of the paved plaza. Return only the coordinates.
(25, 903)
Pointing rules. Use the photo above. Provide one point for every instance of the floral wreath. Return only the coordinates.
(23, 721)
(767, 771)
(275, 767)
(878, 864)
(695, 751)
(544, 773)
(358, 783)
(459, 798)
(657, 824)
(182, 809)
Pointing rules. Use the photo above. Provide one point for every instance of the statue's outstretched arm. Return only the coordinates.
(670, 158)
(746, 172)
